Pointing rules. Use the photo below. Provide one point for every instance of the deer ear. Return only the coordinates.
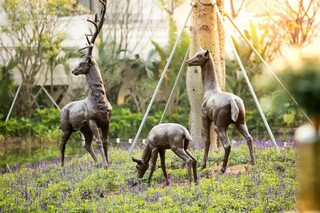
(136, 160)
(206, 54)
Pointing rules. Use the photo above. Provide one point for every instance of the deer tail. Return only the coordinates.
(187, 135)
(234, 110)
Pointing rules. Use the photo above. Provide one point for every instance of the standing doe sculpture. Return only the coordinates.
(220, 108)
(94, 112)
(166, 136)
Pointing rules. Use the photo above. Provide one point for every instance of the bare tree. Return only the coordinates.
(295, 21)
(235, 10)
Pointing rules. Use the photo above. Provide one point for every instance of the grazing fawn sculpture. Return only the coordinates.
(220, 108)
(166, 136)
(94, 112)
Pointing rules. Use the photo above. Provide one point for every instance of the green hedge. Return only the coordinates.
(45, 123)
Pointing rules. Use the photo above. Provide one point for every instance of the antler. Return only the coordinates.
(98, 25)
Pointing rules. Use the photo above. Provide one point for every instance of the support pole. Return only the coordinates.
(159, 83)
(248, 81)
(14, 101)
(175, 85)
(47, 93)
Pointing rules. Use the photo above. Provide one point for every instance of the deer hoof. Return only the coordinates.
(223, 169)
(196, 181)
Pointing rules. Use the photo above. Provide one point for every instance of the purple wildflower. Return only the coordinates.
(44, 206)
(25, 194)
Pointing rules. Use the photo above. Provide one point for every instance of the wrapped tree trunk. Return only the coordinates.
(207, 33)
(303, 69)
(308, 154)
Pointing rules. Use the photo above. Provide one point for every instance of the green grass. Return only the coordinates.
(80, 186)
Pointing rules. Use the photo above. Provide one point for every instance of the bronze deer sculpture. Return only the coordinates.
(94, 112)
(166, 136)
(220, 108)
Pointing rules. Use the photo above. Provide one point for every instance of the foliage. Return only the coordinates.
(6, 86)
(176, 62)
(124, 123)
(281, 113)
(31, 28)
(43, 123)
(79, 186)
(120, 47)
(293, 24)
(254, 68)
(251, 62)
(66, 7)
(301, 75)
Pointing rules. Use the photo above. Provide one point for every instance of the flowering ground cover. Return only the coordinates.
(80, 186)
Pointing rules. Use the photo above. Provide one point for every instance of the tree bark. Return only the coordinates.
(219, 60)
(205, 32)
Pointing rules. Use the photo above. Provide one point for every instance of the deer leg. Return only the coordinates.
(163, 164)
(154, 156)
(194, 166)
(206, 125)
(221, 132)
(95, 131)
(88, 142)
(105, 132)
(184, 156)
(65, 137)
(242, 128)
(194, 162)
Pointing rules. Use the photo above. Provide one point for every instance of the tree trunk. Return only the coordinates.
(25, 100)
(206, 34)
(219, 59)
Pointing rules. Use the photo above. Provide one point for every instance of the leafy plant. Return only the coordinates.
(6, 86)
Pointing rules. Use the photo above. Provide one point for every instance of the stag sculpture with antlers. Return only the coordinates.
(94, 112)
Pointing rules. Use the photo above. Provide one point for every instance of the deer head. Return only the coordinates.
(199, 58)
(141, 167)
(84, 66)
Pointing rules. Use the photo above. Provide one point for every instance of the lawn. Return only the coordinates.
(80, 186)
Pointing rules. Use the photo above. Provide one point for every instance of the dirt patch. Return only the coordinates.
(238, 169)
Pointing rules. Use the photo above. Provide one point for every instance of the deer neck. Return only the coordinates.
(209, 77)
(97, 94)
(146, 155)
(94, 80)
